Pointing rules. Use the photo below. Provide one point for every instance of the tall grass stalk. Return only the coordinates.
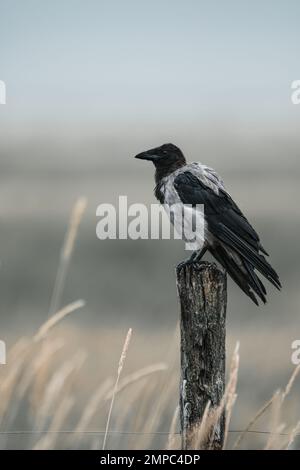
(66, 253)
(120, 367)
(57, 317)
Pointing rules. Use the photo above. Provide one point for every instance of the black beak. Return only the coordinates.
(147, 156)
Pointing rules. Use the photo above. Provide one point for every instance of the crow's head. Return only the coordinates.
(166, 158)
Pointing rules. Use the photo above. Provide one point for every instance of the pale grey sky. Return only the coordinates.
(103, 63)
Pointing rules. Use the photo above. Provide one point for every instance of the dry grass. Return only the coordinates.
(33, 377)
(41, 391)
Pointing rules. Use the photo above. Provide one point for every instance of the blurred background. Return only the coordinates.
(90, 84)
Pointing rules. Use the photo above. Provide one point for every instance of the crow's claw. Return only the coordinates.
(183, 264)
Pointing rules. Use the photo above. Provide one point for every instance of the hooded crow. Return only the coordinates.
(228, 235)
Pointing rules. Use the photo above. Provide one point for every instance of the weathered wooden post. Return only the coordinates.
(202, 292)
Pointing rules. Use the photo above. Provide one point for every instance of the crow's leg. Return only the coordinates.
(200, 254)
(194, 258)
(188, 261)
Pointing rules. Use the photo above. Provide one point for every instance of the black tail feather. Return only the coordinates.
(247, 253)
(255, 282)
(233, 269)
(240, 263)
(263, 250)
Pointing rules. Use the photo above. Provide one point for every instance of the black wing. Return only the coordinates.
(237, 244)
